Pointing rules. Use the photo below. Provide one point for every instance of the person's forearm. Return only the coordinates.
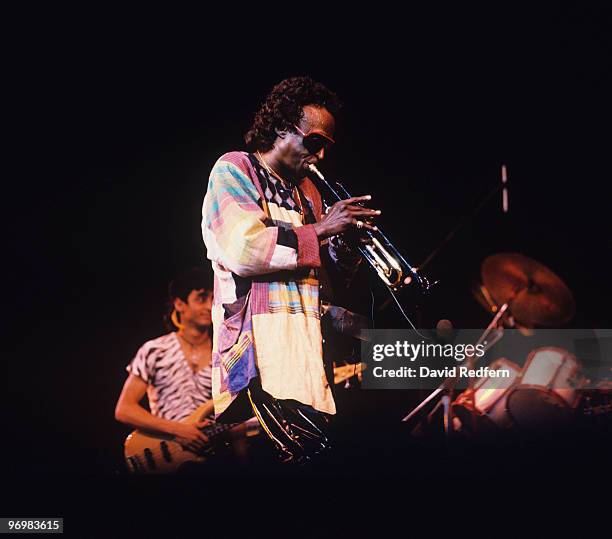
(137, 417)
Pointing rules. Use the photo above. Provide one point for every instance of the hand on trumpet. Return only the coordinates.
(346, 215)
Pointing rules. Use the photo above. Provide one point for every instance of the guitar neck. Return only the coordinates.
(217, 428)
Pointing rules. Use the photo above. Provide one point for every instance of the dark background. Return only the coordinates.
(117, 118)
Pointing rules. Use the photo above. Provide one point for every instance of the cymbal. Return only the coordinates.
(535, 295)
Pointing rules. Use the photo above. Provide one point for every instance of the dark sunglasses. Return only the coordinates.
(315, 141)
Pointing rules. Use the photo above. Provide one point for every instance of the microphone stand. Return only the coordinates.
(456, 229)
(447, 387)
(503, 186)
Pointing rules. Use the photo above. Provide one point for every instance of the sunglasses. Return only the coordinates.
(315, 141)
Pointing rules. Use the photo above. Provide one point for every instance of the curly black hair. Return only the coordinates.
(180, 287)
(283, 107)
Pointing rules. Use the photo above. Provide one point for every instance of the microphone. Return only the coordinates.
(504, 178)
(444, 331)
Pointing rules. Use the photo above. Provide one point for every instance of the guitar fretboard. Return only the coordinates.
(217, 428)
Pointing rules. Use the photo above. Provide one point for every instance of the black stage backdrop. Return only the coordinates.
(118, 120)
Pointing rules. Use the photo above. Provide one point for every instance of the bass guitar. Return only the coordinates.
(149, 452)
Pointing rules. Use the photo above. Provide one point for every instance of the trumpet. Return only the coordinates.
(379, 252)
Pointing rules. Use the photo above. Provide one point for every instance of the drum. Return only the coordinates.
(484, 408)
(548, 390)
(596, 404)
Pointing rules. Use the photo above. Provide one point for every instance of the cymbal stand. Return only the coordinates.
(447, 387)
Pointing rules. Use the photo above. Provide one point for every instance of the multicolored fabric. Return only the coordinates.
(266, 301)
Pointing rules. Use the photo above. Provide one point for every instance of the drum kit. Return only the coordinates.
(547, 392)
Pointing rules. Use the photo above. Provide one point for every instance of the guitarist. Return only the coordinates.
(174, 370)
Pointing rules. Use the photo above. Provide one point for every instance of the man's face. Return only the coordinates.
(320, 125)
(196, 311)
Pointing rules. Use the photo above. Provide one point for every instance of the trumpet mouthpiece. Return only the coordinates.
(315, 170)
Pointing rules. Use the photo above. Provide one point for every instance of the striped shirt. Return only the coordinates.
(173, 389)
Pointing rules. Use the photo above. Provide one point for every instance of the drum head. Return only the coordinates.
(487, 412)
(538, 409)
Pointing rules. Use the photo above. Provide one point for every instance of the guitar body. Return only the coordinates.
(156, 453)
(344, 372)
(152, 453)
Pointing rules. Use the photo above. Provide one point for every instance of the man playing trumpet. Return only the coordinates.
(263, 227)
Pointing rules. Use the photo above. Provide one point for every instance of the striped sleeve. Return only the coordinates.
(138, 365)
(235, 232)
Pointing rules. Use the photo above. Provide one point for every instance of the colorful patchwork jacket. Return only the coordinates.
(266, 313)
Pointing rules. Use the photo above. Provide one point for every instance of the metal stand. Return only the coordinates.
(446, 388)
